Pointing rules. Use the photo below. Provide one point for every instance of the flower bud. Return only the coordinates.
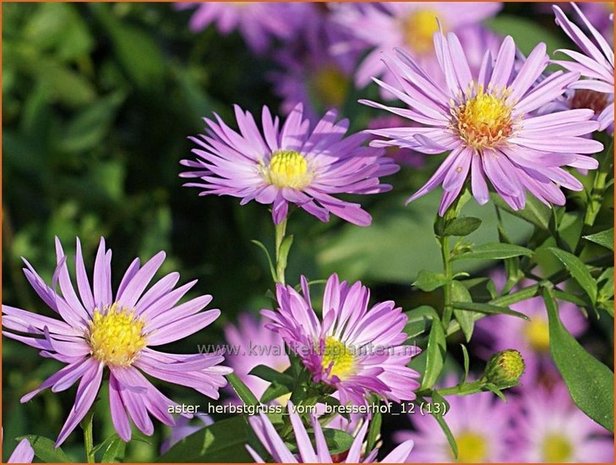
(505, 368)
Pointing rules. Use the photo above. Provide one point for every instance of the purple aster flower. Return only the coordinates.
(486, 123)
(97, 330)
(598, 13)
(407, 25)
(401, 155)
(531, 338)
(23, 453)
(252, 345)
(595, 65)
(258, 22)
(356, 349)
(183, 428)
(307, 453)
(550, 428)
(480, 423)
(296, 163)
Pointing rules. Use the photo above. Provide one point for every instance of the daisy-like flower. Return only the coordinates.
(296, 163)
(550, 428)
(258, 22)
(306, 452)
(480, 424)
(98, 330)
(253, 344)
(486, 122)
(406, 25)
(595, 65)
(23, 453)
(531, 337)
(355, 349)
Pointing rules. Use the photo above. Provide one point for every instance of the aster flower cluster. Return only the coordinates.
(310, 379)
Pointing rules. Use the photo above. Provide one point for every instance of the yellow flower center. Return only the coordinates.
(472, 447)
(419, 28)
(557, 448)
(329, 85)
(339, 356)
(485, 120)
(116, 336)
(288, 168)
(537, 334)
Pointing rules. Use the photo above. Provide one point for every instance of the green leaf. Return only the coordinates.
(436, 351)
(535, 212)
(461, 226)
(466, 360)
(590, 382)
(428, 281)
(374, 430)
(494, 251)
(459, 293)
(269, 374)
(222, 441)
(439, 417)
(338, 441)
(488, 309)
(285, 247)
(603, 238)
(274, 391)
(416, 320)
(45, 449)
(267, 255)
(242, 390)
(578, 271)
(114, 452)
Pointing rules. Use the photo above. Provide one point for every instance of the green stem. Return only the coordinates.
(463, 389)
(88, 439)
(281, 262)
(447, 289)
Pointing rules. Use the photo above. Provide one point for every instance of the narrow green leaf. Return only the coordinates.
(578, 271)
(494, 251)
(285, 247)
(428, 281)
(338, 441)
(461, 226)
(114, 452)
(488, 309)
(535, 212)
(242, 390)
(459, 293)
(46, 450)
(466, 360)
(603, 238)
(436, 352)
(267, 255)
(269, 374)
(374, 430)
(436, 397)
(274, 391)
(416, 322)
(590, 382)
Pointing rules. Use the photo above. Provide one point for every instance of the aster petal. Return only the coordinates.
(134, 289)
(23, 453)
(400, 454)
(530, 71)
(102, 277)
(354, 454)
(302, 439)
(119, 417)
(504, 64)
(438, 176)
(478, 181)
(182, 328)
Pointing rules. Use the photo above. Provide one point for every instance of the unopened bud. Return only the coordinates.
(505, 368)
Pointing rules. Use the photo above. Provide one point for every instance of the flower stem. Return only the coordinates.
(463, 389)
(447, 304)
(281, 256)
(88, 439)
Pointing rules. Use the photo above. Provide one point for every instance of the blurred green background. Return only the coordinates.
(98, 102)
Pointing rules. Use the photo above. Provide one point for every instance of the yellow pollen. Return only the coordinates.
(339, 356)
(115, 336)
(557, 448)
(537, 334)
(484, 121)
(288, 168)
(419, 28)
(330, 86)
(472, 447)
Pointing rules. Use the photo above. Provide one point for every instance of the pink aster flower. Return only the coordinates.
(486, 122)
(252, 345)
(23, 453)
(531, 338)
(550, 428)
(258, 22)
(307, 453)
(480, 423)
(355, 349)
(595, 65)
(97, 329)
(409, 26)
(296, 163)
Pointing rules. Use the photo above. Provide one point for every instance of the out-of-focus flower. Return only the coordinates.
(258, 22)
(252, 345)
(480, 424)
(550, 428)
(183, 428)
(97, 330)
(486, 122)
(23, 453)
(409, 26)
(532, 337)
(307, 453)
(356, 349)
(296, 163)
(598, 13)
(595, 65)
